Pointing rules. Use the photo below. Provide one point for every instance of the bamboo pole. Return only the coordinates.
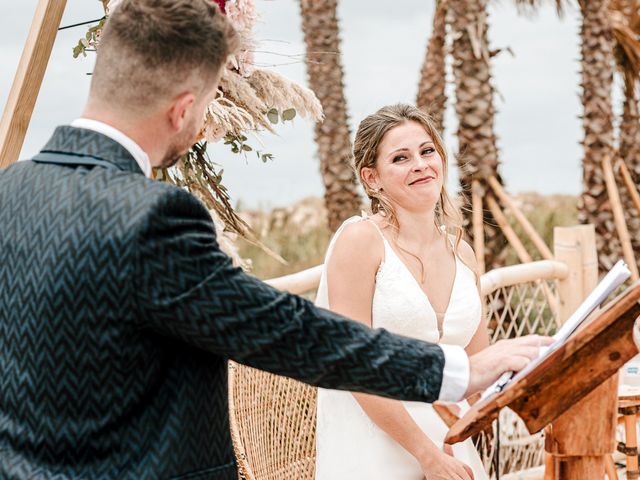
(618, 216)
(583, 437)
(28, 79)
(521, 218)
(478, 224)
(628, 182)
(511, 235)
(568, 250)
(522, 273)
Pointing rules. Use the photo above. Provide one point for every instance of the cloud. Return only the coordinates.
(383, 45)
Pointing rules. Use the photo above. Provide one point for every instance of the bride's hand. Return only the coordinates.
(442, 466)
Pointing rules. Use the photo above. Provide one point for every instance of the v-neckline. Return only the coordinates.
(424, 294)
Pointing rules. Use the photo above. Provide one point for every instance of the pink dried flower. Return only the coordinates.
(242, 14)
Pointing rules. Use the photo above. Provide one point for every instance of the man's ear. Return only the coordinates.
(369, 176)
(179, 110)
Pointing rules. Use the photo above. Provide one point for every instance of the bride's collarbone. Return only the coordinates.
(438, 277)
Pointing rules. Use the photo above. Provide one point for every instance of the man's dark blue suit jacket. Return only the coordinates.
(118, 313)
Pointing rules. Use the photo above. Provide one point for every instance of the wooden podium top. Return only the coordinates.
(555, 383)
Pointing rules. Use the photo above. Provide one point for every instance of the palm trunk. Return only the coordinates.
(597, 120)
(431, 88)
(324, 68)
(477, 149)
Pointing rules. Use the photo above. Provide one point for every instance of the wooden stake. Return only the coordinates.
(628, 182)
(521, 218)
(478, 224)
(521, 251)
(28, 79)
(618, 216)
(512, 237)
(610, 468)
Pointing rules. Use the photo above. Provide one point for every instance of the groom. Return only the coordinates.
(118, 311)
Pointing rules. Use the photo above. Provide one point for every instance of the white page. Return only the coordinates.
(612, 280)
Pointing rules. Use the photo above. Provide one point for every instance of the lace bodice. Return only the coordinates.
(401, 306)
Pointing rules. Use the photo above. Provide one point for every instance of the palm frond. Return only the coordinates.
(625, 24)
(532, 6)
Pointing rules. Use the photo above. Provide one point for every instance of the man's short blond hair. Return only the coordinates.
(151, 50)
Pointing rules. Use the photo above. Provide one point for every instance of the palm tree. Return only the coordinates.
(324, 68)
(625, 23)
(477, 143)
(597, 69)
(431, 88)
(597, 119)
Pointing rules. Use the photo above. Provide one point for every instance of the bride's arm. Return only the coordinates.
(351, 271)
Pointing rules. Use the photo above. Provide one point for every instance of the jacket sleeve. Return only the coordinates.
(188, 289)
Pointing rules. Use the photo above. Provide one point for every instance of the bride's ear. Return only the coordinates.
(369, 177)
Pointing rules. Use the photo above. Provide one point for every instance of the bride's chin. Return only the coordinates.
(427, 200)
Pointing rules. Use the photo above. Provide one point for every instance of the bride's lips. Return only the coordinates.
(422, 180)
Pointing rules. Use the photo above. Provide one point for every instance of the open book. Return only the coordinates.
(612, 280)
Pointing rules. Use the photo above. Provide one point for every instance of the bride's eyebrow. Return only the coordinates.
(397, 150)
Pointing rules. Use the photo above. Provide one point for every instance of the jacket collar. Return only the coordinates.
(80, 141)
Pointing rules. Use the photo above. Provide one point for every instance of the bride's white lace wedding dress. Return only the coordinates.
(348, 444)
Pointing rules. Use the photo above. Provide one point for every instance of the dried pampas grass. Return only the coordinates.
(280, 93)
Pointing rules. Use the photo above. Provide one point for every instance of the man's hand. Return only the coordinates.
(513, 355)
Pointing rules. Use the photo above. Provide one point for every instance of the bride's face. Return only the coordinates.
(408, 169)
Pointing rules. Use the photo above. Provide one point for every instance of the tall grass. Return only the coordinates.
(300, 235)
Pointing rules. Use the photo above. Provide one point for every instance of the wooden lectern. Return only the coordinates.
(573, 389)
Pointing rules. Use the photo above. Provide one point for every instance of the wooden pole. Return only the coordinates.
(618, 216)
(28, 79)
(581, 438)
(478, 224)
(628, 182)
(610, 468)
(512, 237)
(521, 218)
(521, 251)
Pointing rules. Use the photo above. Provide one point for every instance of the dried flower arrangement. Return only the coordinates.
(250, 100)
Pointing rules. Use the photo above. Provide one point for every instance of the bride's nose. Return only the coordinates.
(420, 163)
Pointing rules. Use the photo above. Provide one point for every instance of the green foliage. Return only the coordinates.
(197, 173)
(90, 40)
(288, 115)
(238, 145)
(275, 116)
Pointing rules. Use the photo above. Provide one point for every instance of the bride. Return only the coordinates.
(405, 269)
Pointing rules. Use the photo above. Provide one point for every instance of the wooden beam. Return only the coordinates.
(478, 224)
(511, 235)
(28, 79)
(628, 182)
(618, 217)
(521, 218)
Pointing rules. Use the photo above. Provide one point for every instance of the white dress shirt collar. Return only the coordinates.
(132, 147)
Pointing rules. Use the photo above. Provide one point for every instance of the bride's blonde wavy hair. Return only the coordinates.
(370, 133)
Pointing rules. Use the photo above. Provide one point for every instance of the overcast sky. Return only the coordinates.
(383, 47)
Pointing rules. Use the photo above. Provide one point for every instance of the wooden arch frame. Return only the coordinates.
(28, 79)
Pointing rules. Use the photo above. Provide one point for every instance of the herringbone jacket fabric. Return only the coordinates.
(118, 313)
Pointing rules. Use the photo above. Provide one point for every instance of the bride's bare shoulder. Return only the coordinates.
(361, 239)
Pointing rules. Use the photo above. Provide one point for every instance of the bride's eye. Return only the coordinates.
(398, 158)
(428, 151)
